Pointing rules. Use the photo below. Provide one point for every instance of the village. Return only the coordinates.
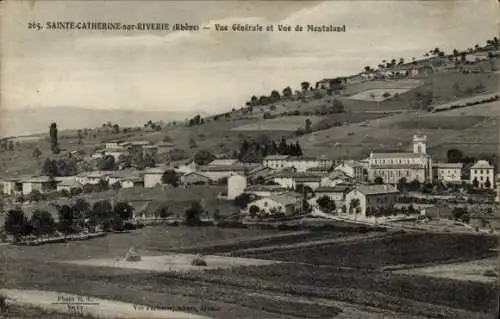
(373, 190)
(324, 192)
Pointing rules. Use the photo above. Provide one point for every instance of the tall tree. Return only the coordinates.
(304, 85)
(107, 163)
(65, 220)
(54, 143)
(454, 156)
(103, 213)
(475, 183)
(123, 210)
(43, 223)
(81, 208)
(170, 177)
(149, 160)
(275, 96)
(283, 147)
(308, 125)
(298, 149)
(325, 203)
(203, 157)
(487, 184)
(287, 92)
(50, 168)
(193, 213)
(16, 224)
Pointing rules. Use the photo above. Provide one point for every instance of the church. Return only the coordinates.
(391, 167)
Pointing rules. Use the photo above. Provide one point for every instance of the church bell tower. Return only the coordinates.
(420, 144)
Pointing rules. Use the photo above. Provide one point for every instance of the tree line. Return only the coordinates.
(254, 151)
(72, 218)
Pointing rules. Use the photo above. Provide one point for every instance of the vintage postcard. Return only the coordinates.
(249, 159)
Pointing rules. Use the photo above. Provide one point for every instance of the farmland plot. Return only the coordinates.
(379, 95)
(410, 249)
(288, 123)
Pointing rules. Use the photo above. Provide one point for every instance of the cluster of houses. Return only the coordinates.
(278, 182)
(119, 148)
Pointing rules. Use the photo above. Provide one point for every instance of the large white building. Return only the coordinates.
(153, 176)
(497, 197)
(236, 185)
(370, 200)
(484, 173)
(299, 163)
(286, 203)
(353, 169)
(391, 167)
(448, 172)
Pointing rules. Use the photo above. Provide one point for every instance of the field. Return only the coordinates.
(469, 271)
(316, 286)
(291, 123)
(378, 95)
(474, 130)
(375, 254)
(383, 85)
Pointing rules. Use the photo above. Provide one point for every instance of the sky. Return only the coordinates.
(211, 71)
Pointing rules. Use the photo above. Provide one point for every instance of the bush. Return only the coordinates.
(490, 273)
(3, 304)
(198, 261)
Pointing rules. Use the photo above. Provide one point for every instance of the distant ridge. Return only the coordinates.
(30, 121)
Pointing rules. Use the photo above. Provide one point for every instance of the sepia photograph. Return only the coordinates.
(249, 159)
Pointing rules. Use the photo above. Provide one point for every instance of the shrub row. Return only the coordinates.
(457, 106)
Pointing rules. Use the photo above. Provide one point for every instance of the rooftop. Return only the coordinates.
(397, 166)
(286, 199)
(449, 165)
(377, 189)
(70, 183)
(115, 149)
(222, 168)
(136, 143)
(265, 188)
(396, 155)
(126, 173)
(482, 164)
(351, 163)
(318, 169)
(297, 175)
(335, 189)
(275, 157)
(223, 162)
(39, 179)
(96, 174)
(156, 170)
(194, 174)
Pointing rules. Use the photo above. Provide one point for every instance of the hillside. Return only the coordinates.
(373, 114)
